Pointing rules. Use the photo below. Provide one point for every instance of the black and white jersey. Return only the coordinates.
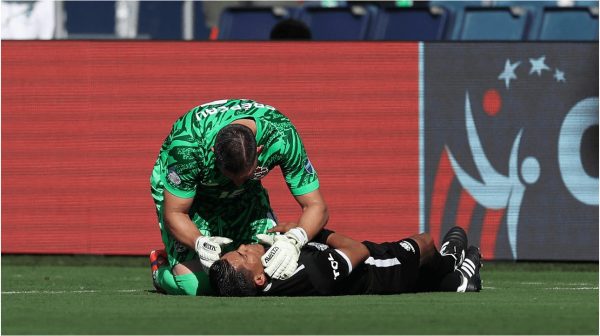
(320, 270)
(392, 268)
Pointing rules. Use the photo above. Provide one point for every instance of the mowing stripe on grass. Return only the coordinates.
(74, 291)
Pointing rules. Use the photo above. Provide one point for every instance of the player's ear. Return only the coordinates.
(260, 279)
(259, 149)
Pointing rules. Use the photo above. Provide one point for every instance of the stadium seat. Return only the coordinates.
(568, 24)
(161, 20)
(416, 24)
(338, 23)
(201, 30)
(492, 24)
(90, 19)
(250, 23)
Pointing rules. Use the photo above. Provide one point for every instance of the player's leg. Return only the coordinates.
(178, 274)
(158, 259)
(184, 275)
(181, 274)
(466, 278)
(436, 265)
(454, 244)
(431, 260)
(426, 247)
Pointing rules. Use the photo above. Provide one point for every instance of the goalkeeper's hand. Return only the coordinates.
(209, 250)
(281, 259)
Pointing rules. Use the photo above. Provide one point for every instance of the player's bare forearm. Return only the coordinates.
(314, 213)
(178, 221)
(182, 228)
(356, 251)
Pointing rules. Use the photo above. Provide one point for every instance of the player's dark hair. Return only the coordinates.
(235, 149)
(227, 281)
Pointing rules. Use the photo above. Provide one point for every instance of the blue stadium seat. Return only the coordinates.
(252, 23)
(338, 23)
(492, 24)
(568, 24)
(201, 30)
(415, 24)
(161, 20)
(90, 19)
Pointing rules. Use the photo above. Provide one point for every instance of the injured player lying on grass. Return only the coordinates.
(333, 264)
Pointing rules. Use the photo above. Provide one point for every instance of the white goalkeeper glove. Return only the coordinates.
(209, 250)
(281, 259)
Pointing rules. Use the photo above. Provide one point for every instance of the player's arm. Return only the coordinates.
(281, 259)
(180, 180)
(180, 225)
(178, 221)
(356, 251)
(314, 213)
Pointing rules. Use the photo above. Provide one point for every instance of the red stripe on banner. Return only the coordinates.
(489, 232)
(443, 180)
(466, 205)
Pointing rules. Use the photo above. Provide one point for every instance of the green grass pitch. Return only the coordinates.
(113, 295)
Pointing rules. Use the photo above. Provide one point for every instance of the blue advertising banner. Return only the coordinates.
(510, 145)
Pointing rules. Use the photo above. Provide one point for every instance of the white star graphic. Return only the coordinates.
(559, 76)
(537, 65)
(509, 72)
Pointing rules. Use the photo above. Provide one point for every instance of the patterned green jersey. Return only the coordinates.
(186, 163)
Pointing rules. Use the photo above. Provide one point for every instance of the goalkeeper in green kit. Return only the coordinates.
(209, 198)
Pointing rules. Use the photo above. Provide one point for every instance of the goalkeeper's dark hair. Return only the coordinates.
(227, 281)
(235, 149)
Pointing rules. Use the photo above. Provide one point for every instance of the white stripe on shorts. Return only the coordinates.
(382, 262)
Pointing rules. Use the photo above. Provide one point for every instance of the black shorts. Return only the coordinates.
(393, 267)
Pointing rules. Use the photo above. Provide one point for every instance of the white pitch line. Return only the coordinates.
(571, 288)
(74, 291)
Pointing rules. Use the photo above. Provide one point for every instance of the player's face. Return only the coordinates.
(247, 257)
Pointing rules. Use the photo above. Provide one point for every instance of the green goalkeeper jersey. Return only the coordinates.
(186, 163)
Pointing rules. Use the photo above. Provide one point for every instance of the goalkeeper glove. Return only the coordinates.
(281, 259)
(209, 250)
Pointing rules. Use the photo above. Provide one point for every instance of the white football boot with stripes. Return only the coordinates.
(471, 280)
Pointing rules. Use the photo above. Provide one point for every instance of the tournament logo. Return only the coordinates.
(309, 167)
(511, 154)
